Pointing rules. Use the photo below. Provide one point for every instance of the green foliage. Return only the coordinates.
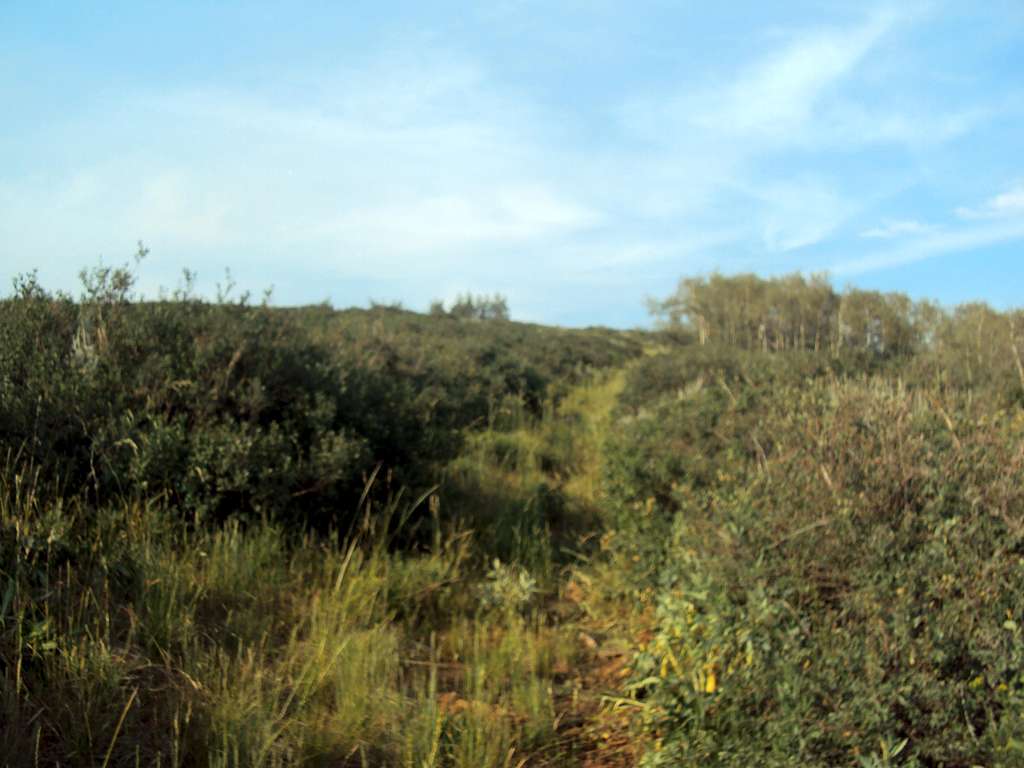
(228, 409)
(753, 313)
(127, 637)
(971, 346)
(238, 535)
(194, 570)
(508, 588)
(470, 307)
(223, 408)
(842, 571)
(470, 374)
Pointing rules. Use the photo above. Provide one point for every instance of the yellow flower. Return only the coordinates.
(711, 683)
(669, 659)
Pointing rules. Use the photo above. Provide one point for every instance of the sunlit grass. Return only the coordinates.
(125, 634)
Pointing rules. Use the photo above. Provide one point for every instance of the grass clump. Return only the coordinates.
(240, 646)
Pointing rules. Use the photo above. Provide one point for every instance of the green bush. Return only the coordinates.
(228, 409)
(859, 584)
(225, 409)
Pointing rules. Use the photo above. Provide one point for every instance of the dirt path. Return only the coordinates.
(589, 728)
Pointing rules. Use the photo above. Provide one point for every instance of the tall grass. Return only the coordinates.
(127, 638)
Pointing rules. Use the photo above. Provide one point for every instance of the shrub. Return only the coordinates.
(859, 584)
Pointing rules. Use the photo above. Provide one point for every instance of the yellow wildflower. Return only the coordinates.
(711, 683)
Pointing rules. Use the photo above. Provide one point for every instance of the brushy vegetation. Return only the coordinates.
(232, 410)
(831, 540)
(232, 535)
(787, 529)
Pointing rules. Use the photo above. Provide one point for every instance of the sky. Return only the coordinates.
(577, 157)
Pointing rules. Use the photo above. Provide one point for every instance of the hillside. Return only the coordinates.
(783, 530)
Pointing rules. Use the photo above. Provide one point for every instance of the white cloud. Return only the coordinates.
(998, 220)
(391, 164)
(777, 99)
(894, 229)
(613, 258)
(808, 95)
(851, 124)
(770, 103)
(1005, 205)
(937, 244)
(419, 163)
(450, 222)
(719, 147)
(799, 213)
(174, 204)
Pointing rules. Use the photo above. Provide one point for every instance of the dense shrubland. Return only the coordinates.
(238, 535)
(231, 410)
(831, 540)
(786, 529)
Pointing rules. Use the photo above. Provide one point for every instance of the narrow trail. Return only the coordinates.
(595, 734)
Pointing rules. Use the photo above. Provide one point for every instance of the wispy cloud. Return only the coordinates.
(930, 246)
(720, 147)
(893, 229)
(1005, 205)
(450, 222)
(998, 220)
(776, 100)
(771, 103)
(807, 94)
(389, 165)
(799, 213)
(437, 166)
(851, 124)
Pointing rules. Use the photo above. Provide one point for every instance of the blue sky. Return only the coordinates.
(575, 156)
